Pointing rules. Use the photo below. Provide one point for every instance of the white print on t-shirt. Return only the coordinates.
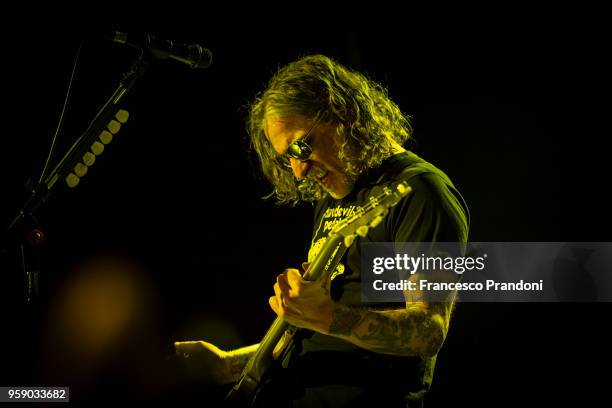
(330, 218)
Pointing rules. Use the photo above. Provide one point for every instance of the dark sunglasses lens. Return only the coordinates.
(299, 150)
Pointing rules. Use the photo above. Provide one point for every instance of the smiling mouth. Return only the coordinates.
(320, 175)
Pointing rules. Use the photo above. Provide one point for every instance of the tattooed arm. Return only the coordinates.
(418, 330)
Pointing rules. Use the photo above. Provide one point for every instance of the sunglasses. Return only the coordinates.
(298, 149)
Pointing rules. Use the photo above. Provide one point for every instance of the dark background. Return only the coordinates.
(512, 113)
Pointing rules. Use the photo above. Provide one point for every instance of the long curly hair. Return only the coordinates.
(316, 86)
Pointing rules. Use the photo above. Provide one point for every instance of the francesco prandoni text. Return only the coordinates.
(459, 265)
(425, 285)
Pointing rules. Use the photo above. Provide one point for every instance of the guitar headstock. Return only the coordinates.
(372, 213)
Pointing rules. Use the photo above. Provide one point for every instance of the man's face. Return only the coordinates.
(323, 164)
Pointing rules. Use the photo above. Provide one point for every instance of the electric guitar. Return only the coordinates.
(342, 236)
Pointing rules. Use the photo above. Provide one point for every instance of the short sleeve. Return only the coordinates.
(433, 212)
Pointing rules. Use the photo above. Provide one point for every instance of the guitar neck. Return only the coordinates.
(336, 245)
(325, 262)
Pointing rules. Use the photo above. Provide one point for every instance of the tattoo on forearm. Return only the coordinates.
(344, 319)
(403, 332)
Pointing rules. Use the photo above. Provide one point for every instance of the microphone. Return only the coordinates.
(193, 55)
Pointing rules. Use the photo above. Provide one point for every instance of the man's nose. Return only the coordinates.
(300, 168)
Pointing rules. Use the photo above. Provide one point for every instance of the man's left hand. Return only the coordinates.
(302, 303)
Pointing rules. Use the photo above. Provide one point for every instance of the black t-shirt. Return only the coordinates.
(329, 370)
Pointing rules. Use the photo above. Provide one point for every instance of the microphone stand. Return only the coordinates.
(23, 232)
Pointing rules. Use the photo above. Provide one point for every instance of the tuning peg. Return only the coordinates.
(348, 240)
(376, 221)
(97, 148)
(403, 189)
(362, 231)
(106, 137)
(113, 126)
(122, 115)
(80, 169)
(72, 180)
